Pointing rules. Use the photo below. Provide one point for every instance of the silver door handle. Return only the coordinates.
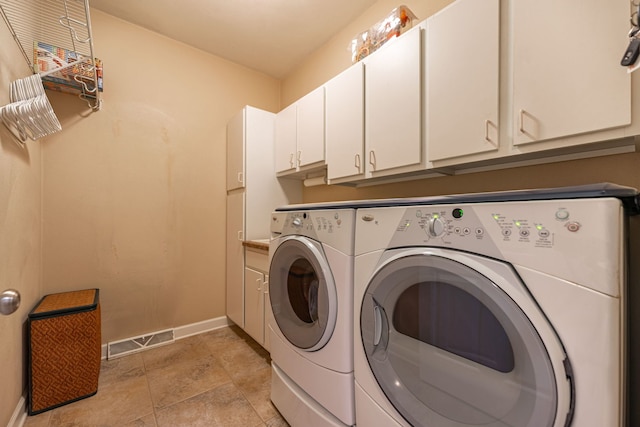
(9, 301)
(372, 159)
(380, 327)
(521, 120)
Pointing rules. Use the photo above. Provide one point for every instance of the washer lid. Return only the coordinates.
(302, 293)
(450, 346)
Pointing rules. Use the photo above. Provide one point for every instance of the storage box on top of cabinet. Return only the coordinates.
(64, 349)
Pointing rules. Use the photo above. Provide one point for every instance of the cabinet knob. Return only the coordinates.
(372, 159)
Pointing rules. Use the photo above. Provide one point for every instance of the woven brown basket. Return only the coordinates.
(64, 349)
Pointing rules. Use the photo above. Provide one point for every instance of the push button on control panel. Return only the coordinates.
(562, 214)
(573, 226)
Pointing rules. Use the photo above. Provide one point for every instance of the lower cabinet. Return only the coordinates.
(256, 295)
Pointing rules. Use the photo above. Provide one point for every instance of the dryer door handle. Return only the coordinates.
(380, 326)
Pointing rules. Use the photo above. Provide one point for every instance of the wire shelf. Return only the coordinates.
(55, 39)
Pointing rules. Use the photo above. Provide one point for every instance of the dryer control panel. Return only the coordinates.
(577, 239)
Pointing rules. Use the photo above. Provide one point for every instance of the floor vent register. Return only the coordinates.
(143, 342)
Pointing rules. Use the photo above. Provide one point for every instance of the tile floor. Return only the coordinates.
(216, 379)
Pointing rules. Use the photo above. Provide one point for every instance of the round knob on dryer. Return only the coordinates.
(297, 222)
(436, 227)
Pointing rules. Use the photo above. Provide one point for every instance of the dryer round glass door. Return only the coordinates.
(448, 346)
(302, 293)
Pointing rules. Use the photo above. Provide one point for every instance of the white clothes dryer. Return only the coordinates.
(502, 309)
(311, 315)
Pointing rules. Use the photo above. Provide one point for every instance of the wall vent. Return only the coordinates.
(136, 344)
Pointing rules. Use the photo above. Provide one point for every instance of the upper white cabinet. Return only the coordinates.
(344, 116)
(310, 129)
(462, 64)
(285, 146)
(393, 106)
(567, 77)
(300, 141)
(480, 83)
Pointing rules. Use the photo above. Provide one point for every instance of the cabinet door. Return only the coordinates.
(310, 128)
(235, 151)
(286, 140)
(344, 115)
(462, 79)
(393, 95)
(254, 304)
(235, 258)
(567, 77)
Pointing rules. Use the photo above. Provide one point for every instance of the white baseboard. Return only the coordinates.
(201, 327)
(189, 330)
(19, 415)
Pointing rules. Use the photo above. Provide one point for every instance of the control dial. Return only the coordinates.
(436, 226)
(297, 222)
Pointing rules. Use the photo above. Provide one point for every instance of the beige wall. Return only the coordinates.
(133, 195)
(129, 199)
(20, 216)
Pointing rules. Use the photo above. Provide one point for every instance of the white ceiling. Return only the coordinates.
(271, 36)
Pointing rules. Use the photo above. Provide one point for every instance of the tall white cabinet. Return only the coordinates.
(253, 192)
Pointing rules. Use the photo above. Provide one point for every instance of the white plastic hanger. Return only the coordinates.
(30, 114)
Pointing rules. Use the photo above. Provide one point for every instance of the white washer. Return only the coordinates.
(311, 315)
(503, 309)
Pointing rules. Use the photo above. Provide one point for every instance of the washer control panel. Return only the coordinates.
(333, 226)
